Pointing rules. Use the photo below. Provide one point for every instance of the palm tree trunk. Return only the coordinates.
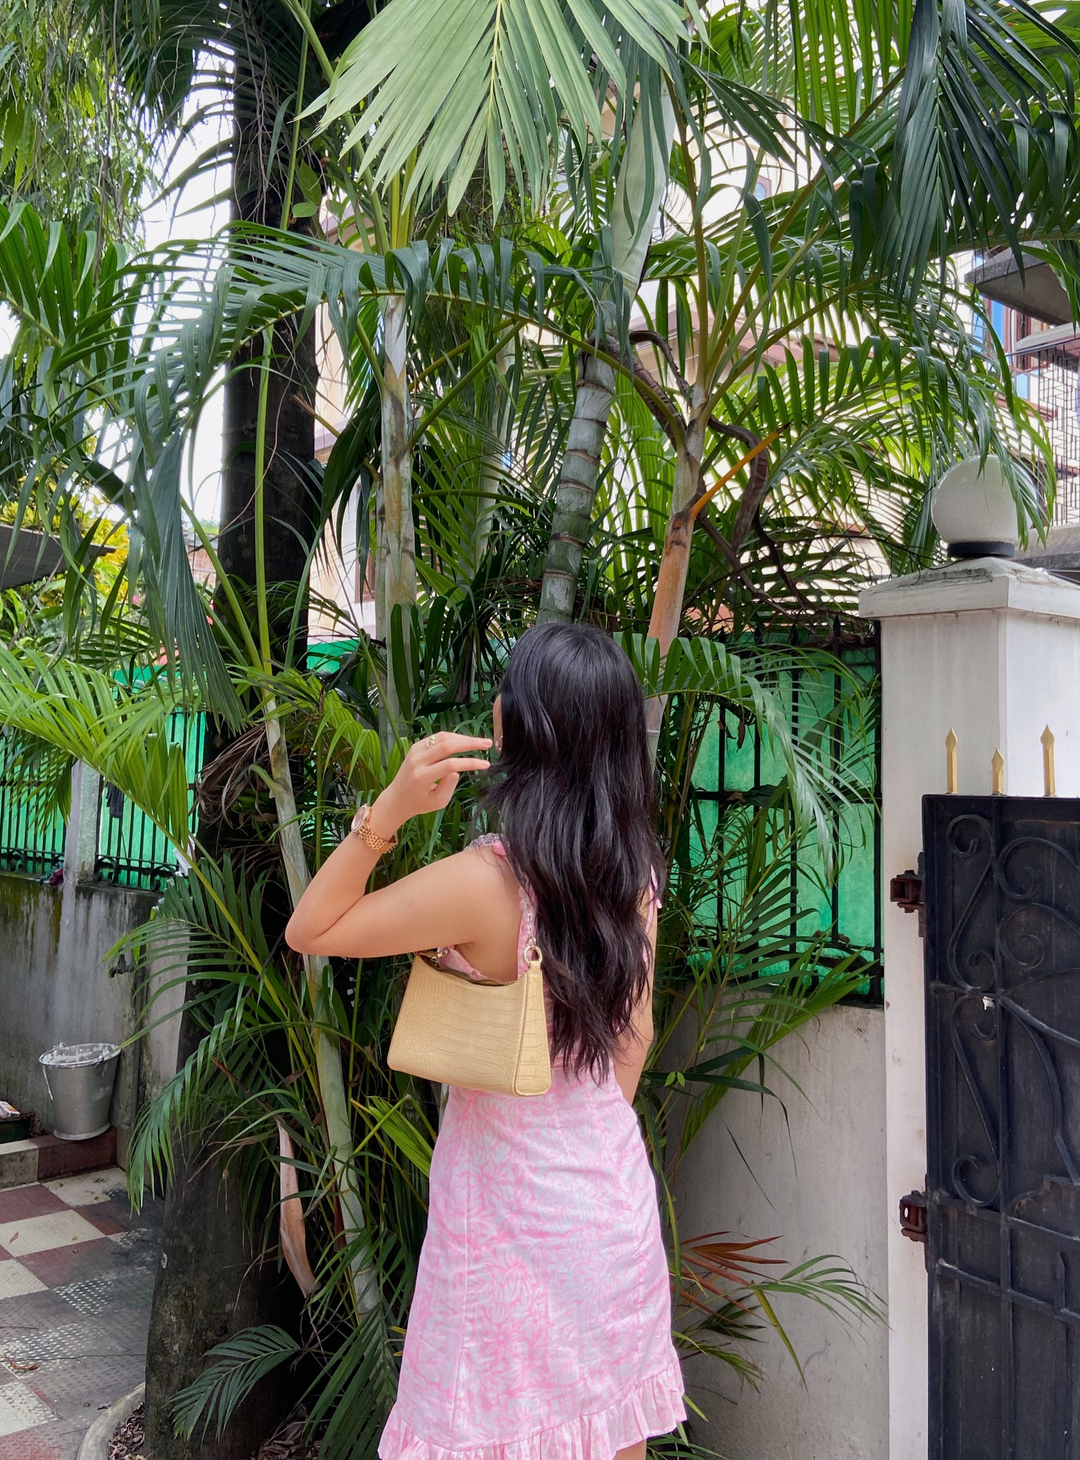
(688, 500)
(671, 578)
(395, 563)
(639, 195)
(576, 492)
(332, 1096)
(212, 1282)
(209, 1286)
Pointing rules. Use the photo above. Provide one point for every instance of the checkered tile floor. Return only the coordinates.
(76, 1279)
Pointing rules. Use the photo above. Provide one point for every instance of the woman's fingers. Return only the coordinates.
(448, 742)
(434, 766)
(442, 791)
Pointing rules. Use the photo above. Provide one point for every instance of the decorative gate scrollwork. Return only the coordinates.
(1002, 953)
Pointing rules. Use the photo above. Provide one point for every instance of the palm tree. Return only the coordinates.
(822, 261)
(233, 1079)
(810, 274)
(483, 95)
(250, 60)
(922, 132)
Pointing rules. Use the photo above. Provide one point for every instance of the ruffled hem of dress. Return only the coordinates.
(652, 1407)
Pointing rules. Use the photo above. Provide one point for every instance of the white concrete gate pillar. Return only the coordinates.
(80, 861)
(990, 649)
(83, 827)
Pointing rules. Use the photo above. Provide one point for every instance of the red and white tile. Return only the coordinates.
(76, 1279)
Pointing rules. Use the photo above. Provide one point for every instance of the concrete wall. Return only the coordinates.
(57, 984)
(816, 1180)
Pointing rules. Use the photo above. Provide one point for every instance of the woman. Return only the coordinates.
(541, 1324)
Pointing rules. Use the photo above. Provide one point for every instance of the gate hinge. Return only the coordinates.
(907, 892)
(913, 1216)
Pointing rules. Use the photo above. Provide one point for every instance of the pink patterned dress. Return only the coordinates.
(541, 1324)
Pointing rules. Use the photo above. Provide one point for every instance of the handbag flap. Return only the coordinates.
(484, 1036)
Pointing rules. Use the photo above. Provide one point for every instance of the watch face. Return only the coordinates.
(360, 818)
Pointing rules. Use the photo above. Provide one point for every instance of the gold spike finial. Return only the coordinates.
(997, 774)
(950, 762)
(1049, 782)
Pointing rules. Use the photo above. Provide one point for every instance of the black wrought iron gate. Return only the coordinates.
(1002, 893)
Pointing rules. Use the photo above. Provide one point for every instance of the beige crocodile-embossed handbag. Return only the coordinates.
(483, 1035)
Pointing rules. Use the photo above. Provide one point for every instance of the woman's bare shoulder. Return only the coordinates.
(472, 902)
(489, 873)
(478, 871)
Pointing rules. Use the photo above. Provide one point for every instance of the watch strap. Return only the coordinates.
(361, 827)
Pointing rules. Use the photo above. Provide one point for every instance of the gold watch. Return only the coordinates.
(369, 837)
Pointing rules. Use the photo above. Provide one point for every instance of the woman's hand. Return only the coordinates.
(427, 779)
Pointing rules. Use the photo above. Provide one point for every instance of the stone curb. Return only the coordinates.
(44, 1158)
(95, 1443)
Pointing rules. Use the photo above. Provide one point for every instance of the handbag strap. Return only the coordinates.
(529, 954)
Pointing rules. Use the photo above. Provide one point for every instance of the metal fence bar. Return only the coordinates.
(1048, 378)
(29, 841)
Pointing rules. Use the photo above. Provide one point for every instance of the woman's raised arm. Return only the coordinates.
(335, 917)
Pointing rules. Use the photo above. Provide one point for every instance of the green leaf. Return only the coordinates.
(407, 1137)
(235, 1367)
(443, 79)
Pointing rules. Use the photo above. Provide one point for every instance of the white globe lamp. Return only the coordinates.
(974, 510)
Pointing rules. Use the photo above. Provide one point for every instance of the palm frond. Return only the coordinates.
(706, 666)
(233, 1370)
(508, 76)
(359, 1384)
(122, 735)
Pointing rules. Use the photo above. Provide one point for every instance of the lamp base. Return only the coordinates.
(982, 549)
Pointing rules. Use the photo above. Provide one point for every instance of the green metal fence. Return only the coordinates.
(131, 850)
(31, 840)
(734, 761)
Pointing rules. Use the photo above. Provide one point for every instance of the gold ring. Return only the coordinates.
(430, 742)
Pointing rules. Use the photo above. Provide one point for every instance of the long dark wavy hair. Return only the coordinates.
(574, 799)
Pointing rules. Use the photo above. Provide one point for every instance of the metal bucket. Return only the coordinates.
(80, 1078)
